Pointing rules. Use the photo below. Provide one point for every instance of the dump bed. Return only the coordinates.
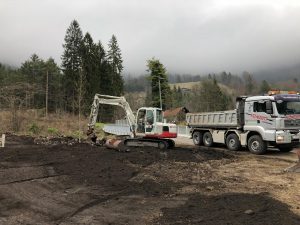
(223, 119)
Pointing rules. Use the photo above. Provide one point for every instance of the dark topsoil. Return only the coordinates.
(84, 184)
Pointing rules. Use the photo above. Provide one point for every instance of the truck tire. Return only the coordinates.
(233, 143)
(207, 139)
(197, 138)
(285, 148)
(257, 145)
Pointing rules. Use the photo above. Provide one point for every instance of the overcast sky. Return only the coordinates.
(187, 36)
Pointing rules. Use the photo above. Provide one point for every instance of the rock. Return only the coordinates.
(249, 212)
(210, 188)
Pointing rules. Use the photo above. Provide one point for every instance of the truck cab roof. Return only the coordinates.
(261, 97)
(283, 97)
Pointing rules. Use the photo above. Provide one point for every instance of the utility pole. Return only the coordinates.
(47, 90)
(159, 93)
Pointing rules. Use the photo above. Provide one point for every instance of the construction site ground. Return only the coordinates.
(72, 183)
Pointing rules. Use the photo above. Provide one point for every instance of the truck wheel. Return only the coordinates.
(233, 143)
(198, 138)
(207, 139)
(285, 148)
(256, 145)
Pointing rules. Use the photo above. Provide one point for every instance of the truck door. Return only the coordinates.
(259, 114)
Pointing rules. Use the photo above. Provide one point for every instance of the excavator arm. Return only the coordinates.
(110, 100)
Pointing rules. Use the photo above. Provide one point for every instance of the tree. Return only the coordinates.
(13, 97)
(89, 68)
(208, 96)
(103, 71)
(264, 87)
(249, 83)
(80, 93)
(34, 72)
(55, 100)
(115, 61)
(72, 61)
(33, 69)
(158, 78)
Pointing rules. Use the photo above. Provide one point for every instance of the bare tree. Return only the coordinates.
(80, 87)
(13, 98)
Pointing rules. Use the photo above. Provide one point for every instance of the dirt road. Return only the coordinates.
(82, 184)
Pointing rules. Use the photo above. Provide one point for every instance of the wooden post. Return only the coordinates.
(47, 81)
(2, 141)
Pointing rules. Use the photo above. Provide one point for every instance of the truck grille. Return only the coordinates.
(292, 123)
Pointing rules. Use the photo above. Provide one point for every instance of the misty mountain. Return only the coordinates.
(277, 75)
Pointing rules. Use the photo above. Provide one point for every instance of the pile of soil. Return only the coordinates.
(84, 184)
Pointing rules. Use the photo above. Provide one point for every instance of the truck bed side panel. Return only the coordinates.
(225, 119)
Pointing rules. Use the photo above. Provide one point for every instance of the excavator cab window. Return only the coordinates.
(159, 116)
(149, 120)
(141, 121)
(150, 117)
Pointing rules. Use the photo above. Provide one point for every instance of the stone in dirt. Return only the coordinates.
(249, 212)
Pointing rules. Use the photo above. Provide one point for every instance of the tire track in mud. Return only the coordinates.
(6, 165)
(86, 206)
(33, 179)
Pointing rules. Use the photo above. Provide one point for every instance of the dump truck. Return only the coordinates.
(256, 123)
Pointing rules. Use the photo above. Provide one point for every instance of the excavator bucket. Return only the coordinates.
(295, 168)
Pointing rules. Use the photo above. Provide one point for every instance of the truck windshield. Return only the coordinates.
(288, 107)
(159, 117)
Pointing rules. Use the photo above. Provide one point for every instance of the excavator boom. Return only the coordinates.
(111, 100)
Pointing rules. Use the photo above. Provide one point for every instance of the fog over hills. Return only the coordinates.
(192, 37)
(280, 74)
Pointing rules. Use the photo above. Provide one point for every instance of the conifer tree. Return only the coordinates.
(34, 71)
(208, 96)
(264, 87)
(89, 68)
(54, 85)
(72, 61)
(114, 58)
(103, 72)
(158, 77)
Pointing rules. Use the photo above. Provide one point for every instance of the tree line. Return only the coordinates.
(86, 68)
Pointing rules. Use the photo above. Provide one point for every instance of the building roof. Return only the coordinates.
(175, 111)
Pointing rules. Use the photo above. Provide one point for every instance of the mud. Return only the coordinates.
(83, 184)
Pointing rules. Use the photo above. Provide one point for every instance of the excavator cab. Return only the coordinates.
(147, 119)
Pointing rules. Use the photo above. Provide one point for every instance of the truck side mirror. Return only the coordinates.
(269, 107)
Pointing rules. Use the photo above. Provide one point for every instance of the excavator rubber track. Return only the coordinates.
(150, 142)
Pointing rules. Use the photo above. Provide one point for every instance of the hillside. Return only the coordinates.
(190, 85)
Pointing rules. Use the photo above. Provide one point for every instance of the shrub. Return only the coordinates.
(53, 131)
(34, 128)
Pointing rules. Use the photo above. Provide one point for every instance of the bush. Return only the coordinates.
(77, 134)
(34, 128)
(53, 131)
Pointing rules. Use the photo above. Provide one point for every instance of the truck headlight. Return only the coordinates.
(280, 138)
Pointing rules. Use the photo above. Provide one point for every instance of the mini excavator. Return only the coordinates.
(147, 128)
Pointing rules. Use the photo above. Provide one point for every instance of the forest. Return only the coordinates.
(41, 89)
